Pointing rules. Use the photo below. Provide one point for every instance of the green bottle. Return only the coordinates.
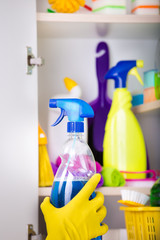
(155, 194)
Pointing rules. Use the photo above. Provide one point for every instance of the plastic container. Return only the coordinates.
(149, 86)
(149, 95)
(137, 99)
(142, 223)
(149, 78)
(124, 145)
(145, 7)
(109, 6)
(78, 163)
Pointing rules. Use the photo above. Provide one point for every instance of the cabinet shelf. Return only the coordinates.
(110, 26)
(96, 18)
(147, 107)
(107, 191)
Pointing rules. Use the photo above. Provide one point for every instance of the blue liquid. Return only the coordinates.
(63, 192)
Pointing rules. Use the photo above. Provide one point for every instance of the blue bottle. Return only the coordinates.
(78, 163)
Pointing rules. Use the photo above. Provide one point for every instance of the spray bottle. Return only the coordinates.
(78, 164)
(124, 145)
(54, 146)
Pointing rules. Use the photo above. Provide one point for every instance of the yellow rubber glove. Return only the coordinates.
(66, 6)
(78, 220)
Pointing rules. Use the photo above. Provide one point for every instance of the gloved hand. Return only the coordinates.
(66, 6)
(78, 220)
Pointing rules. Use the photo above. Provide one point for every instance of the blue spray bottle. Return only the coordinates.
(78, 163)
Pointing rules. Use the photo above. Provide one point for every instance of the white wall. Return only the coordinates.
(75, 58)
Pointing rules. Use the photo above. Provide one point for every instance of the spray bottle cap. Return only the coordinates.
(122, 69)
(75, 109)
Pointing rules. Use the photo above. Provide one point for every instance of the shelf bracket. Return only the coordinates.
(32, 61)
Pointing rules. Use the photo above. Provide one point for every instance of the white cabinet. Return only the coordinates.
(18, 121)
(68, 43)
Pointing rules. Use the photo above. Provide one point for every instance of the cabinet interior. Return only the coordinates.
(74, 57)
(69, 50)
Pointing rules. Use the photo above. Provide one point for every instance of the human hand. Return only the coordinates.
(80, 219)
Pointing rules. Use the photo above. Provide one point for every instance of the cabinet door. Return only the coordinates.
(18, 121)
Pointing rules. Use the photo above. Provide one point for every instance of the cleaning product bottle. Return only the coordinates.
(78, 163)
(124, 145)
(54, 146)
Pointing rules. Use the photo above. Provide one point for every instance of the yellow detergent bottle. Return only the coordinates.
(124, 145)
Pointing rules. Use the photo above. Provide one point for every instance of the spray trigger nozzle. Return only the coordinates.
(119, 72)
(60, 118)
(75, 109)
(135, 73)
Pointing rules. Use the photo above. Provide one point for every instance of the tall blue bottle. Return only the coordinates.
(78, 163)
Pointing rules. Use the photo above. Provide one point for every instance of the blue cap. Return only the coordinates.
(75, 109)
(75, 127)
(120, 71)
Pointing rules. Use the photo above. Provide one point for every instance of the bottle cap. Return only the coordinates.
(75, 127)
(69, 83)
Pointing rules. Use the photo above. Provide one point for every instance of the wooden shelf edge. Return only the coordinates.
(96, 18)
(107, 191)
(147, 107)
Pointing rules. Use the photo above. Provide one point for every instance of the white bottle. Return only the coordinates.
(54, 146)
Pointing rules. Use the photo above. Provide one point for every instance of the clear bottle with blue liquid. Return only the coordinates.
(78, 163)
